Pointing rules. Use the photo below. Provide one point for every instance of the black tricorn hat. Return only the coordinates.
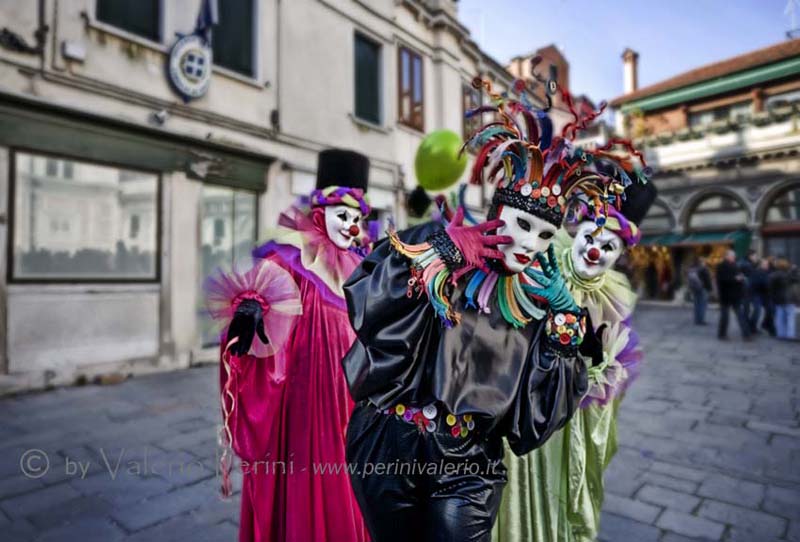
(339, 167)
(418, 202)
(639, 197)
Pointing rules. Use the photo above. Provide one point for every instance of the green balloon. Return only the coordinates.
(437, 163)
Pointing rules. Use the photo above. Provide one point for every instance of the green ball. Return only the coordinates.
(437, 164)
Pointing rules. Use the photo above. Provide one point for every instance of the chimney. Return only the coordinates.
(630, 73)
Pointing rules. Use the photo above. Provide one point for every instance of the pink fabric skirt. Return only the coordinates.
(290, 433)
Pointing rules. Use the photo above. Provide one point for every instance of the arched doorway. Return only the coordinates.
(717, 212)
(781, 229)
(716, 222)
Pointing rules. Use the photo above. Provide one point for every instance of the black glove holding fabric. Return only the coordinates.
(592, 345)
(246, 323)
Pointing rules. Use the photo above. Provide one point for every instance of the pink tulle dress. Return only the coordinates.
(288, 412)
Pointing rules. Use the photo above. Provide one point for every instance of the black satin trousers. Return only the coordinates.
(423, 486)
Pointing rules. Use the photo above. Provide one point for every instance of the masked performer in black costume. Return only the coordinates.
(457, 347)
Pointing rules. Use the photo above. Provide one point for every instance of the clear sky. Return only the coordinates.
(671, 36)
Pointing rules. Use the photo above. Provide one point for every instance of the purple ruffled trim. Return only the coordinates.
(630, 357)
(292, 258)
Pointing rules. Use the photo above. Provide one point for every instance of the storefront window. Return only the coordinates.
(719, 212)
(785, 207)
(81, 221)
(782, 226)
(227, 238)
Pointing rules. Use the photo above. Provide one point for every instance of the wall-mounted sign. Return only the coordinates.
(189, 69)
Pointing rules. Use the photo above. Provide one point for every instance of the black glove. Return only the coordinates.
(592, 345)
(246, 323)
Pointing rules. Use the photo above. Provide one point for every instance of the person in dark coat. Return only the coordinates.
(768, 323)
(699, 280)
(730, 285)
(747, 267)
(759, 294)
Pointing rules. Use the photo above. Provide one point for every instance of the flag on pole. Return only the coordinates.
(206, 19)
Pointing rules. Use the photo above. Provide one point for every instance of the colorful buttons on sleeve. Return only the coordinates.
(565, 328)
(425, 419)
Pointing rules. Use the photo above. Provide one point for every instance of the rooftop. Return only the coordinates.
(759, 57)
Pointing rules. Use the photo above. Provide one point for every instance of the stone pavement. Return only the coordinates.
(710, 450)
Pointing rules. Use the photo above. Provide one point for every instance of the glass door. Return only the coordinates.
(227, 237)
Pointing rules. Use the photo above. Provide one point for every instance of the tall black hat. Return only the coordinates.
(639, 194)
(639, 197)
(339, 167)
(418, 202)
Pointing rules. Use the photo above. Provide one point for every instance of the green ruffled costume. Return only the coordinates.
(555, 493)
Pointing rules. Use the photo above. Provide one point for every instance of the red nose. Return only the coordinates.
(353, 231)
(594, 254)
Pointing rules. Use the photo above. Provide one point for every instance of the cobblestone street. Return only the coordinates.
(710, 450)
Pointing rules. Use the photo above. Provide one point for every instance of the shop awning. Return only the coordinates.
(37, 126)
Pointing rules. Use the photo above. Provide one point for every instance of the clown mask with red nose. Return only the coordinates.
(342, 224)
(593, 255)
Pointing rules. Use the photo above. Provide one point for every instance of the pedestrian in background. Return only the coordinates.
(768, 324)
(780, 282)
(759, 294)
(699, 280)
(747, 267)
(730, 285)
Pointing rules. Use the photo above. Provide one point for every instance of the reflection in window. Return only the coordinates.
(233, 36)
(227, 238)
(785, 207)
(142, 17)
(782, 99)
(368, 82)
(782, 226)
(219, 231)
(718, 212)
(134, 231)
(51, 167)
(411, 94)
(76, 226)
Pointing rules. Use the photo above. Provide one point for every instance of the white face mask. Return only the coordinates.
(593, 256)
(342, 224)
(530, 234)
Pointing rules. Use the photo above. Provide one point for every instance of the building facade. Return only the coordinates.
(724, 142)
(117, 197)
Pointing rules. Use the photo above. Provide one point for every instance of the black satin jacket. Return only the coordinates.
(513, 381)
